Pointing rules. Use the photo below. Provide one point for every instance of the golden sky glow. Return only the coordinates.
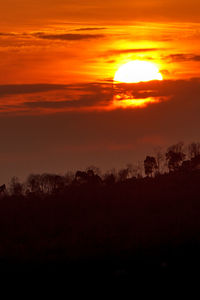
(77, 54)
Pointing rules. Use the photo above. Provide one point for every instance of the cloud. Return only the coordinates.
(127, 51)
(40, 98)
(16, 98)
(68, 36)
(7, 34)
(16, 89)
(87, 101)
(90, 28)
(182, 57)
(165, 88)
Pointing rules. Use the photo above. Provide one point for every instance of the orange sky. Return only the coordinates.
(58, 59)
(46, 11)
(71, 55)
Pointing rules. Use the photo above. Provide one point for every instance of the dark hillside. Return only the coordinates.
(147, 223)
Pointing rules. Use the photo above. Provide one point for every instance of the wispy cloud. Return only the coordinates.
(68, 36)
(90, 28)
(7, 34)
(182, 57)
(39, 97)
(127, 51)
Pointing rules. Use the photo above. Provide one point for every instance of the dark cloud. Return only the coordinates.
(68, 96)
(93, 95)
(90, 29)
(182, 57)
(99, 94)
(7, 34)
(16, 89)
(20, 89)
(48, 104)
(165, 88)
(86, 101)
(68, 36)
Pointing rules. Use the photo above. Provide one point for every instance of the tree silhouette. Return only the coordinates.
(88, 177)
(194, 150)
(150, 165)
(15, 187)
(123, 174)
(109, 179)
(175, 156)
(34, 183)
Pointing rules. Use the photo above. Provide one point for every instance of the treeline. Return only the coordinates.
(118, 224)
(176, 158)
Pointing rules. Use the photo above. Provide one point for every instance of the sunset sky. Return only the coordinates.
(60, 108)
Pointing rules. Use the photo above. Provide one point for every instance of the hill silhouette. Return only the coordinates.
(115, 225)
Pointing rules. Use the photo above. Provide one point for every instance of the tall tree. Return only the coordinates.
(175, 156)
(150, 165)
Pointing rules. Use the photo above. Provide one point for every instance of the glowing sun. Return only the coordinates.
(137, 71)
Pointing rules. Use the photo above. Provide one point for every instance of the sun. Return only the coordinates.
(136, 71)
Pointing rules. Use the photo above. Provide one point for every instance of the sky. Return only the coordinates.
(61, 110)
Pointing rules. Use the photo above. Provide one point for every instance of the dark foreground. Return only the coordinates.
(119, 231)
